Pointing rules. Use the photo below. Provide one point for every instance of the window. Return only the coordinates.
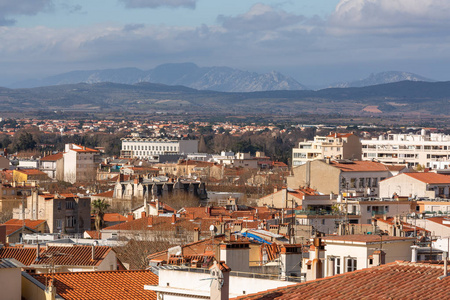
(374, 182)
(58, 203)
(337, 266)
(353, 182)
(70, 204)
(58, 223)
(351, 264)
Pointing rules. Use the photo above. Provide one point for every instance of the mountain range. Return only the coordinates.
(401, 98)
(222, 79)
(381, 78)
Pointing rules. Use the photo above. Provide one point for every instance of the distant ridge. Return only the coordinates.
(221, 79)
(382, 78)
(406, 97)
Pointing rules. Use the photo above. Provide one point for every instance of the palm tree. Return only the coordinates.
(99, 208)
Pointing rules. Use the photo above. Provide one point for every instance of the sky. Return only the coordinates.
(317, 42)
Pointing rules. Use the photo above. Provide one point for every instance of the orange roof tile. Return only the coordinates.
(53, 157)
(360, 166)
(364, 238)
(25, 255)
(430, 178)
(114, 217)
(31, 172)
(397, 280)
(33, 224)
(84, 149)
(102, 285)
(108, 194)
(73, 255)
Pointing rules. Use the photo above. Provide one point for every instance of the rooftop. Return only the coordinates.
(73, 255)
(430, 178)
(397, 280)
(360, 166)
(365, 238)
(102, 284)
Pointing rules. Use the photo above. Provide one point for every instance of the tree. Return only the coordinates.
(99, 208)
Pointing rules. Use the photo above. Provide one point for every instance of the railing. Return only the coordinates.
(155, 269)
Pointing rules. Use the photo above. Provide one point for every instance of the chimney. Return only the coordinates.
(130, 217)
(143, 214)
(317, 263)
(414, 253)
(220, 281)
(379, 258)
(38, 250)
(50, 291)
(444, 258)
(150, 221)
(196, 234)
(174, 218)
(94, 244)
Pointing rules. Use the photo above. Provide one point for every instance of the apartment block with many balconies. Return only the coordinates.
(426, 149)
(333, 146)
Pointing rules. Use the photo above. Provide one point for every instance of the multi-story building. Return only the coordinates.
(145, 148)
(65, 213)
(334, 146)
(80, 163)
(53, 166)
(413, 149)
(351, 178)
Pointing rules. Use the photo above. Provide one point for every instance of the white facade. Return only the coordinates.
(147, 147)
(333, 146)
(199, 284)
(412, 149)
(344, 254)
(79, 163)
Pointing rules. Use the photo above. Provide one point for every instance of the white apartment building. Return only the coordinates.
(334, 146)
(413, 149)
(148, 147)
(79, 163)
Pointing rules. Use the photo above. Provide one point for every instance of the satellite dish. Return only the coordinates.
(212, 228)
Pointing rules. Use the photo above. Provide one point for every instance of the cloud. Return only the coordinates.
(260, 17)
(159, 3)
(390, 16)
(10, 8)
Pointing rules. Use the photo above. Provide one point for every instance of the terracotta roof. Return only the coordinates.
(108, 194)
(360, 166)
(94, 234)
(430, 178)
(53, 157)
(10, 229)
(33, 224)
(102, 284)
(395, 167)
(406, 226)
(364, 238)
(73, 255)
(339, 135)
(27, 256)
(84, 149)
(114, 217)
(397, 280)
(31, 172)
(160, 223)
(440, 220)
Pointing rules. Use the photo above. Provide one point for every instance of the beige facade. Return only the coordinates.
(333, 146)
(66, 213)
(356, 178)
(417, 185)
(10, 281)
